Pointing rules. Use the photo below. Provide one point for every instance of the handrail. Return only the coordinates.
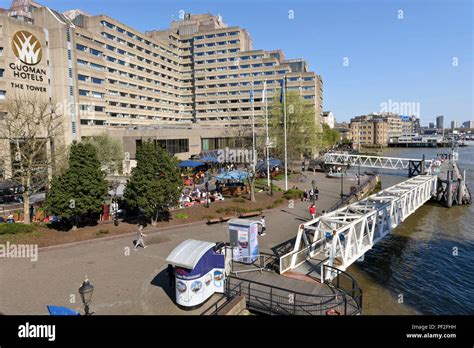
(267, 301)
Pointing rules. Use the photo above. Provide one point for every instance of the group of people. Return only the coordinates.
(308, 196)
(189, 198)
(9, 220)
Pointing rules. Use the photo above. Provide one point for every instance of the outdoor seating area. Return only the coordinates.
(190, 198)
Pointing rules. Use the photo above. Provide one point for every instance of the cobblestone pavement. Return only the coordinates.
(128, 281)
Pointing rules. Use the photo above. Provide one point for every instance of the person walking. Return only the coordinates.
(311, 193)
(140, 240)
(316, 193)
(264, 226)
(312, 211)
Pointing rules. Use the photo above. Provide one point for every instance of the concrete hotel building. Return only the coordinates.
(187, 87)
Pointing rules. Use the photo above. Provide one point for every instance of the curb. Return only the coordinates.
(118, 236)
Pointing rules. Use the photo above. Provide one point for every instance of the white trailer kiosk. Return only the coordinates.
(199, 272)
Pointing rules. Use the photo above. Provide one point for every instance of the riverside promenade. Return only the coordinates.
(135, 282)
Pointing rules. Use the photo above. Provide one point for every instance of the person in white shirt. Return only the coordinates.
(264, 226)
(140, 240)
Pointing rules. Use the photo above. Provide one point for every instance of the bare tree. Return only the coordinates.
(31, 124)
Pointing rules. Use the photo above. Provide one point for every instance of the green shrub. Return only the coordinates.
(101, 232)
(16, 228)
(181, 216)
(293, 194)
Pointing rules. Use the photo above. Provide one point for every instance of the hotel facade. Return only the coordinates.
(188, 86)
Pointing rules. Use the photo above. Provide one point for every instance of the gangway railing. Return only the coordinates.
(379, 162)
(346, 298)
(341, 237)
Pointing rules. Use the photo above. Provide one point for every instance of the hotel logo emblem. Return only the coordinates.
(27, 47)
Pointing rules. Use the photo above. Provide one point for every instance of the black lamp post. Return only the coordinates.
(86, 290)
(313, 183)
(207, 194)
(358, 174)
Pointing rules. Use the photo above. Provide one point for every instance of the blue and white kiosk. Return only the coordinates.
(199, 272)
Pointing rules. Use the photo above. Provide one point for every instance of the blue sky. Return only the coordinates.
(407, 60)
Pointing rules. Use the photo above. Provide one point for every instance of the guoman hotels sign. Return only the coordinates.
(27, 48)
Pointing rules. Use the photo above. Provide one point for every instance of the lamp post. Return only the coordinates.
(313, 184)
(358, 174)
(86, 290)
(342, 181)
(207, 193)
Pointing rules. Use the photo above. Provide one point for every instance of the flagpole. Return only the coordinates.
(254, 157)
(284, 122)
(267, 144)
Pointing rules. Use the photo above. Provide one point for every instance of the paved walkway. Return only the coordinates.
(128, 281)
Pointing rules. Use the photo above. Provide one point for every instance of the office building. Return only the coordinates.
(440, 122)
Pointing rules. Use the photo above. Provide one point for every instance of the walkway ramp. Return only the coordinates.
(339, 238)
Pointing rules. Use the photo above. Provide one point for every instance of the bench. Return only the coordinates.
(251, 214)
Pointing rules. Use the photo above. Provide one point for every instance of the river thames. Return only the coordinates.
(427, 265)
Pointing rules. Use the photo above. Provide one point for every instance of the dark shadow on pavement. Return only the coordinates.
(162, 280)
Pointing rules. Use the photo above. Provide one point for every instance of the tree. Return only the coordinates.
(30, 127)
(78, 192)
(109, 151)
(302, 132)
(330, 136)
(155, 183)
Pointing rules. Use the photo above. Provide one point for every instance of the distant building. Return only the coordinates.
(344, 130)
(454, 124)
(329, 119)
(468, 124)
(440, 122)
(432, 125)
(376, 129)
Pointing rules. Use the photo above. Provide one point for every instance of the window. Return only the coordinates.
(80, 47)
(97, 67)
(82, 77)
(174, 146)
(99, 108)
(83, 92)
(96, 52)
(1, 51)
(82, 63)
(97, 95)
(97, 81)
(2, 95)
(1, 72)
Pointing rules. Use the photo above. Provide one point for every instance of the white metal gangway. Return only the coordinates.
(343, 236)
(337, 158)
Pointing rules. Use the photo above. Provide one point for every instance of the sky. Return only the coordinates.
(411, 56)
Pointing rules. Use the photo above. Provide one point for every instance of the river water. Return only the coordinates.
(427, 265)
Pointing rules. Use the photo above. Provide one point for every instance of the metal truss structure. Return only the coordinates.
(336, 158)
(339, 238)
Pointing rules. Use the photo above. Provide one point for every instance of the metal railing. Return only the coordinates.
(263, 262)
(346, 200)
(272, 300)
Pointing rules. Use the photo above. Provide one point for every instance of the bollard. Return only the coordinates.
(449, 202)
(460, 190)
